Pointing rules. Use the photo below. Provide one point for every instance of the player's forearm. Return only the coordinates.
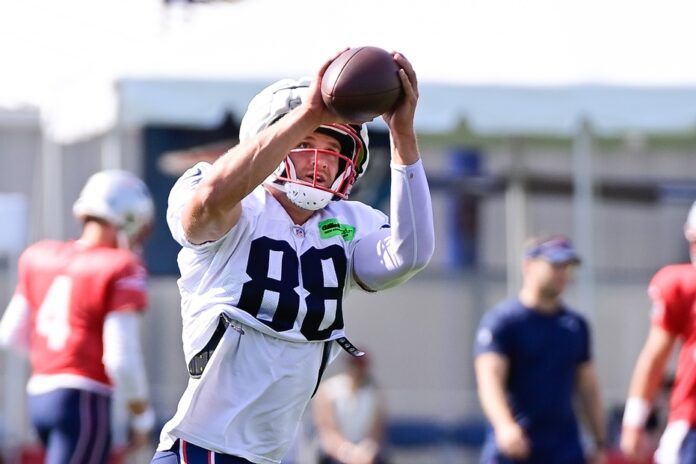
(15, 325)
(595, 413)
(404, 147)
(332, 441)
(490, 377)
(376, 431)
(591, 400)
(391, 256)
(335, 444)
(248, 164)
(329, 436)
(650, 367)
(239, 171)
(123, 358)
(645, 382)
(411, 210)
(495, 406)
(646, 379)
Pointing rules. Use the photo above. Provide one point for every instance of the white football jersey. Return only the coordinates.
(285, 280)
(285, 284)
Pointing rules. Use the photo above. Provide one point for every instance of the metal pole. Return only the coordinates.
(111, 150)
(52, 189)
(112, 145)
(515, 216)
(583, 199)
(16, 428)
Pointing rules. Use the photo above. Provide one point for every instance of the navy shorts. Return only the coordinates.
(687, 451)
(184, 452)
(74, 425)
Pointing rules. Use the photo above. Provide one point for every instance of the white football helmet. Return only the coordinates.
(121, 199)
(274, 102)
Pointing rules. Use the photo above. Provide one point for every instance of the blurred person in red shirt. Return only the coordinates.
(76, 311)
(673, 294)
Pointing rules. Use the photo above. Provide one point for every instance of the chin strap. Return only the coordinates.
(307, 197)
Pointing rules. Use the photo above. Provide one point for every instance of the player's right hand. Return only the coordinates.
(512, 441)
(632, 443)
(400, 118)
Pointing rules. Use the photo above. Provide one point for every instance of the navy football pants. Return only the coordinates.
(184, 452)
(74, 425)
(687, 452)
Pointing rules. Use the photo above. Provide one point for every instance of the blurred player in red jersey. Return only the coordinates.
(673, 294)
(76, 311)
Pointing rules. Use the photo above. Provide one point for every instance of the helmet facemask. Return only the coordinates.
(311, 194)
(277, 100)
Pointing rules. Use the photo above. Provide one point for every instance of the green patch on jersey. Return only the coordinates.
(331, 228)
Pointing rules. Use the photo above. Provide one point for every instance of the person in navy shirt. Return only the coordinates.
(532, 355)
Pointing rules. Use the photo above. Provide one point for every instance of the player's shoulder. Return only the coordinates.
(682, 275)
(188, 180)
(198, 170)
(571, 314)
(112, 260)
(45, 246)
(677, 271)
(508, 307)
(256, 202)
(506, 312)
(45, 250)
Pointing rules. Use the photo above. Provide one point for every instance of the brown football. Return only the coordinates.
(361, 84)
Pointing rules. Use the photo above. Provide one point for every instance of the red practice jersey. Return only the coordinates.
(673, 292)
(70, 289)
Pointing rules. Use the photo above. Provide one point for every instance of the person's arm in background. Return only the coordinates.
(123, 359)
(333, 442)
(491, 377)
(376, 434)
(591, 405)
(15, 326)
(647, 378)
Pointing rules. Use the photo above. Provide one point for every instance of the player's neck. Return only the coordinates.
(298, 215)
(98, 234)
(534, 299)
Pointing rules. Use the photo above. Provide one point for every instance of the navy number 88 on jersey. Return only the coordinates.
(276, 272)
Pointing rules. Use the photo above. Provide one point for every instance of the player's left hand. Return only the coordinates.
(315, 103)
(632, 443)
(400, 117)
